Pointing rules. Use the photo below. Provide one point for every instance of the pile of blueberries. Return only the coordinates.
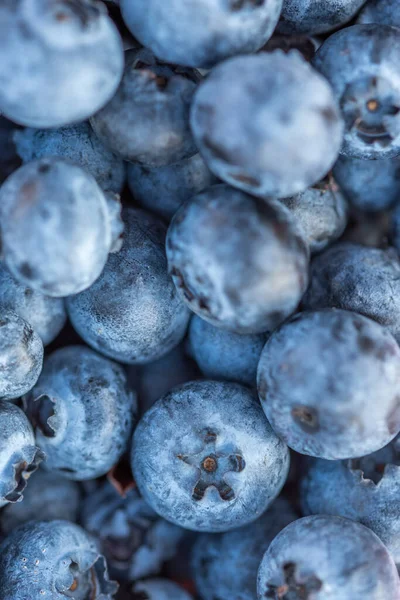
(200, 299)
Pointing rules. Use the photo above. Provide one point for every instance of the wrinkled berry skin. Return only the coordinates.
(147, 120)
(319, 376)
(205, 458)
(46, 315)
(82, 411)
(323, 558)
(321, 214)
(48, 497)
(369, 185)
(382, 12)
(224, 355)
(360, 279)
(163, 189)
(315, 16)
(21, 356)
(203, 32)
(265, 160)
(54, 560)
(132, 313)
(60, 204)
(159, 589)
(225, 565)
(366, 86)
(77, 143)
(64, 60)
(19, 457)
(365, 490)
(258, 288)
(133, 538)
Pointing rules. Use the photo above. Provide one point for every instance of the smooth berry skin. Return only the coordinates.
(147, 120)
(381, 12)
(366, 86)
(204, 32)
(162, 190)
(224, 355)
(205, 458)
(369, 185)
(360, 279)
(77, 143)
(65, 61)
(55, 559)
(133, 538)
(366, 490)
(19, 456)
(47, 497)
(132, 313)
(46, 315)
(276, 132)
(59, 203)
(82, 411)
(318, 379)
(225, 565)
(159, 589)
(321, 214)
(262, 285)
(326, 558)
(314, 17)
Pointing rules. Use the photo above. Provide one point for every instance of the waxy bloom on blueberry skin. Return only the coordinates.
(53, 560)
(382, 12)
(60, 204)
(327, 558)
(205, 457)
(316, 16)
(83, 412)
(319, 378)
(19, 456)
(268, 124)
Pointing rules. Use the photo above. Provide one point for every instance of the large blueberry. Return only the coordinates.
(319, 378)
(237, 261)
(382, 12)
(83, 411)
(268, 124)
(205, 457)
(316, 16)
(133, 312)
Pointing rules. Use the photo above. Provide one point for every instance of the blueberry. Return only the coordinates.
(64, 60)
(201, 33)
(364, 280)
(158, 589)
(237, 261)
(366, 87)
(46, 497)
(132, 313)
(82, 411)
(46, 315)
(147, 121)
(54, 560)
(369, 185)
(318, 380)
(133, 538)
(382, 12)
(267, 124)
(204, 457)
(320, 212)
(163, 189)
(21, 356)
(323, 557)
(316, 16)
(224, 355)
(19, 457)
(365, 489)
(225, 565)
(77, 143)
(56, 227)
